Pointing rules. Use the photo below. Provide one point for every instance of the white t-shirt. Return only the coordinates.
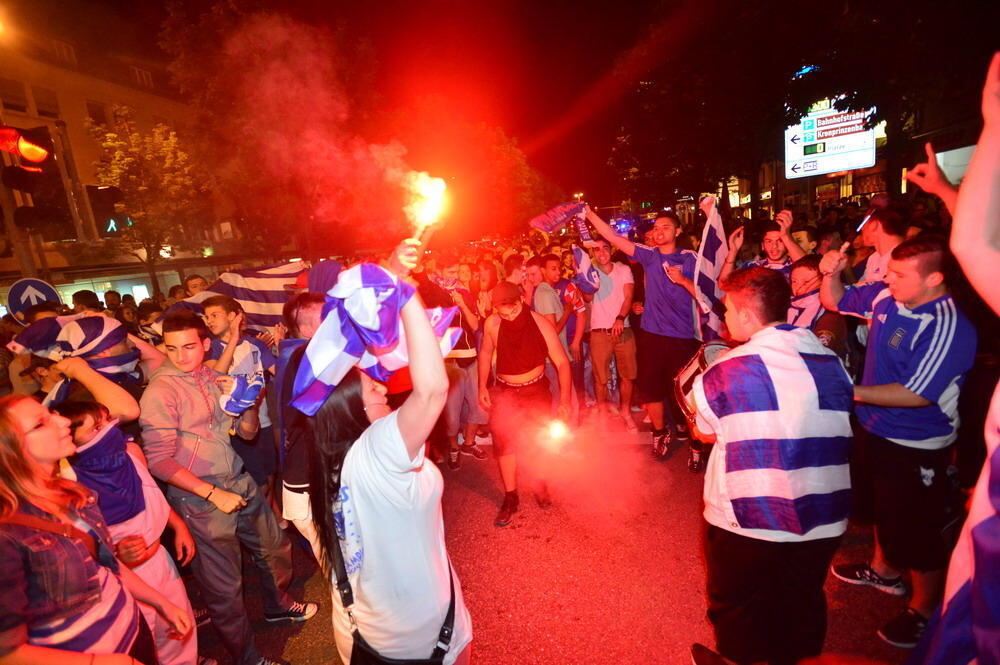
(876, 267)
(607, 303)
(389, 518)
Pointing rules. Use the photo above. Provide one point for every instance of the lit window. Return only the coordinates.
(142, 77)
(63, 52)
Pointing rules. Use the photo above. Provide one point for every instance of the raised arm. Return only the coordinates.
(119, 402)
(929, 177)
(975, 232)
(831, 289)
(608, 233)
(784, 220)
(735, 244)
(421, 409)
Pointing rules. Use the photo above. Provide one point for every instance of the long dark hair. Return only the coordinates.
(333, 430)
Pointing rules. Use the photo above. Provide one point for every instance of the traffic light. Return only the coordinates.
(44, 206)
(103, 200)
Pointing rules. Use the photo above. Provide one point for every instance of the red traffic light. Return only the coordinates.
(12, 141)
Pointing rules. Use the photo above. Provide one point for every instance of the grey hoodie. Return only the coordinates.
(184, 427)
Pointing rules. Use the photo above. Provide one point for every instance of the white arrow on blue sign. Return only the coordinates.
(27, 292)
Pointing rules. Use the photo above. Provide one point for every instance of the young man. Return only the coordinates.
(777, 485)
(919, 350)
(86, 301)
(806, 238)
(519, 402)
(194, 284)
(610, 332)
(884, 231)
(186, 440)
(238, 355)
(568, 318)
(149, 312)
(780, 249)
(669, 318)
(806, 310)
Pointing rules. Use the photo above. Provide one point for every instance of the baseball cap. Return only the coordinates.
(505, 293)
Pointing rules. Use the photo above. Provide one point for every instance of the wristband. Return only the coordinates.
(619, 318)
(207, 496)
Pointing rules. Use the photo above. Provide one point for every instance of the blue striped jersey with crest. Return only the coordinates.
(779, 406)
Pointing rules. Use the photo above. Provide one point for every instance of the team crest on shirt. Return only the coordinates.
(926, 476)
(897, 338)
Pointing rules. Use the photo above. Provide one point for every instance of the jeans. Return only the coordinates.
(217, 566)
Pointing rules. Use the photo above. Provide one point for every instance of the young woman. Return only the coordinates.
(377, 503)
(67, 600)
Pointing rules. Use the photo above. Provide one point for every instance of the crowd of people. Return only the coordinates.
(136, 435)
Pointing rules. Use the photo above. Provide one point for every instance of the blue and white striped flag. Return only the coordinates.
(79, 335)
(361, 326)
(587, 278)
(260, 291)
(712, 255)
(555, 219)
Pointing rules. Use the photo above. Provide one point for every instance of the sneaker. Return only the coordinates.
(862, 574)
(702, 655)
(201, 617)
(542, 498)
(473, 450)
(507, 510)
(905, 630)
(454, 460)
(696, 463)
(297, 612)
(661, 444)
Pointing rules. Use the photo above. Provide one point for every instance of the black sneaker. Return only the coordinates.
(702, 655)
(661, 444)
(473, 450)
(696, 461)
(297, 612)
(507, 510)
(863, 575)
(905, 630)
(454, 460)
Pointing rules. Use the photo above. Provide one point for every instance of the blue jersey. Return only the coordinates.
(927, 349)
(668, 308)
(784, 267)
(254, 356)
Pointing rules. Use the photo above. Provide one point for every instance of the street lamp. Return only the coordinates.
(578, 196)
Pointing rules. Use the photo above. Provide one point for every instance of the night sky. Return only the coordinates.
(518, 64)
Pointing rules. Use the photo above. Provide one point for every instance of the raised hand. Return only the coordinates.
(991, 94)
(735, 241)
(835, 260)
(784, 220)
(706, 204)
(928, 175)
(405, 257)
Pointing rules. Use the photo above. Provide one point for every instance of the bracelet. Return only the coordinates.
(207, 496)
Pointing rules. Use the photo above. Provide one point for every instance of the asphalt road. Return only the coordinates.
(612, 573)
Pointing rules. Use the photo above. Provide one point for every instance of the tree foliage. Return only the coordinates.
(163, 190)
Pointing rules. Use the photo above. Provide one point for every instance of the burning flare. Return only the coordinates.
(427, 200)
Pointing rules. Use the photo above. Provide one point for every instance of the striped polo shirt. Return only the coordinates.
(779, 406)
(927, 349)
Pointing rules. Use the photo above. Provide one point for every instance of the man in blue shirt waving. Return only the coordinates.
(919, 350)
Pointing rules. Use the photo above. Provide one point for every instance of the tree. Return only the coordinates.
(163, 191)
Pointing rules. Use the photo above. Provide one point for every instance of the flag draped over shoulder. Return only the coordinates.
(554, 219)
(361, 326)
(79, 335)
(711, 257)
(587, 278)
(260, 291)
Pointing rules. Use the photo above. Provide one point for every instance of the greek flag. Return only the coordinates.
(554, 219)
(361, 326)
(78, 335)
(260, 291)
(587, 278)
(964, 629)
(711, 257)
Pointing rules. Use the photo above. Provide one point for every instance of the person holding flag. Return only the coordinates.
(670, 326)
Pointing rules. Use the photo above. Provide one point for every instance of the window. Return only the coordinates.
(142, 77)
(46, 102)
(96, 113)
(63, 52)
(12, 94)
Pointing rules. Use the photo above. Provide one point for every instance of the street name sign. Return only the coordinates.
(827, 141)
(27, 292)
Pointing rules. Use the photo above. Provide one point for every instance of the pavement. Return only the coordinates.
(612, 573)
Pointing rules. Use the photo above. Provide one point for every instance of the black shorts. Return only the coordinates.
(916, 506)
(660, 358)
(518, 414)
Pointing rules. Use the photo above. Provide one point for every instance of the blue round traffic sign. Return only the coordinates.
(27, 292)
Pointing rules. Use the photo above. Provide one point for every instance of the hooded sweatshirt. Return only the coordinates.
(183, 426)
